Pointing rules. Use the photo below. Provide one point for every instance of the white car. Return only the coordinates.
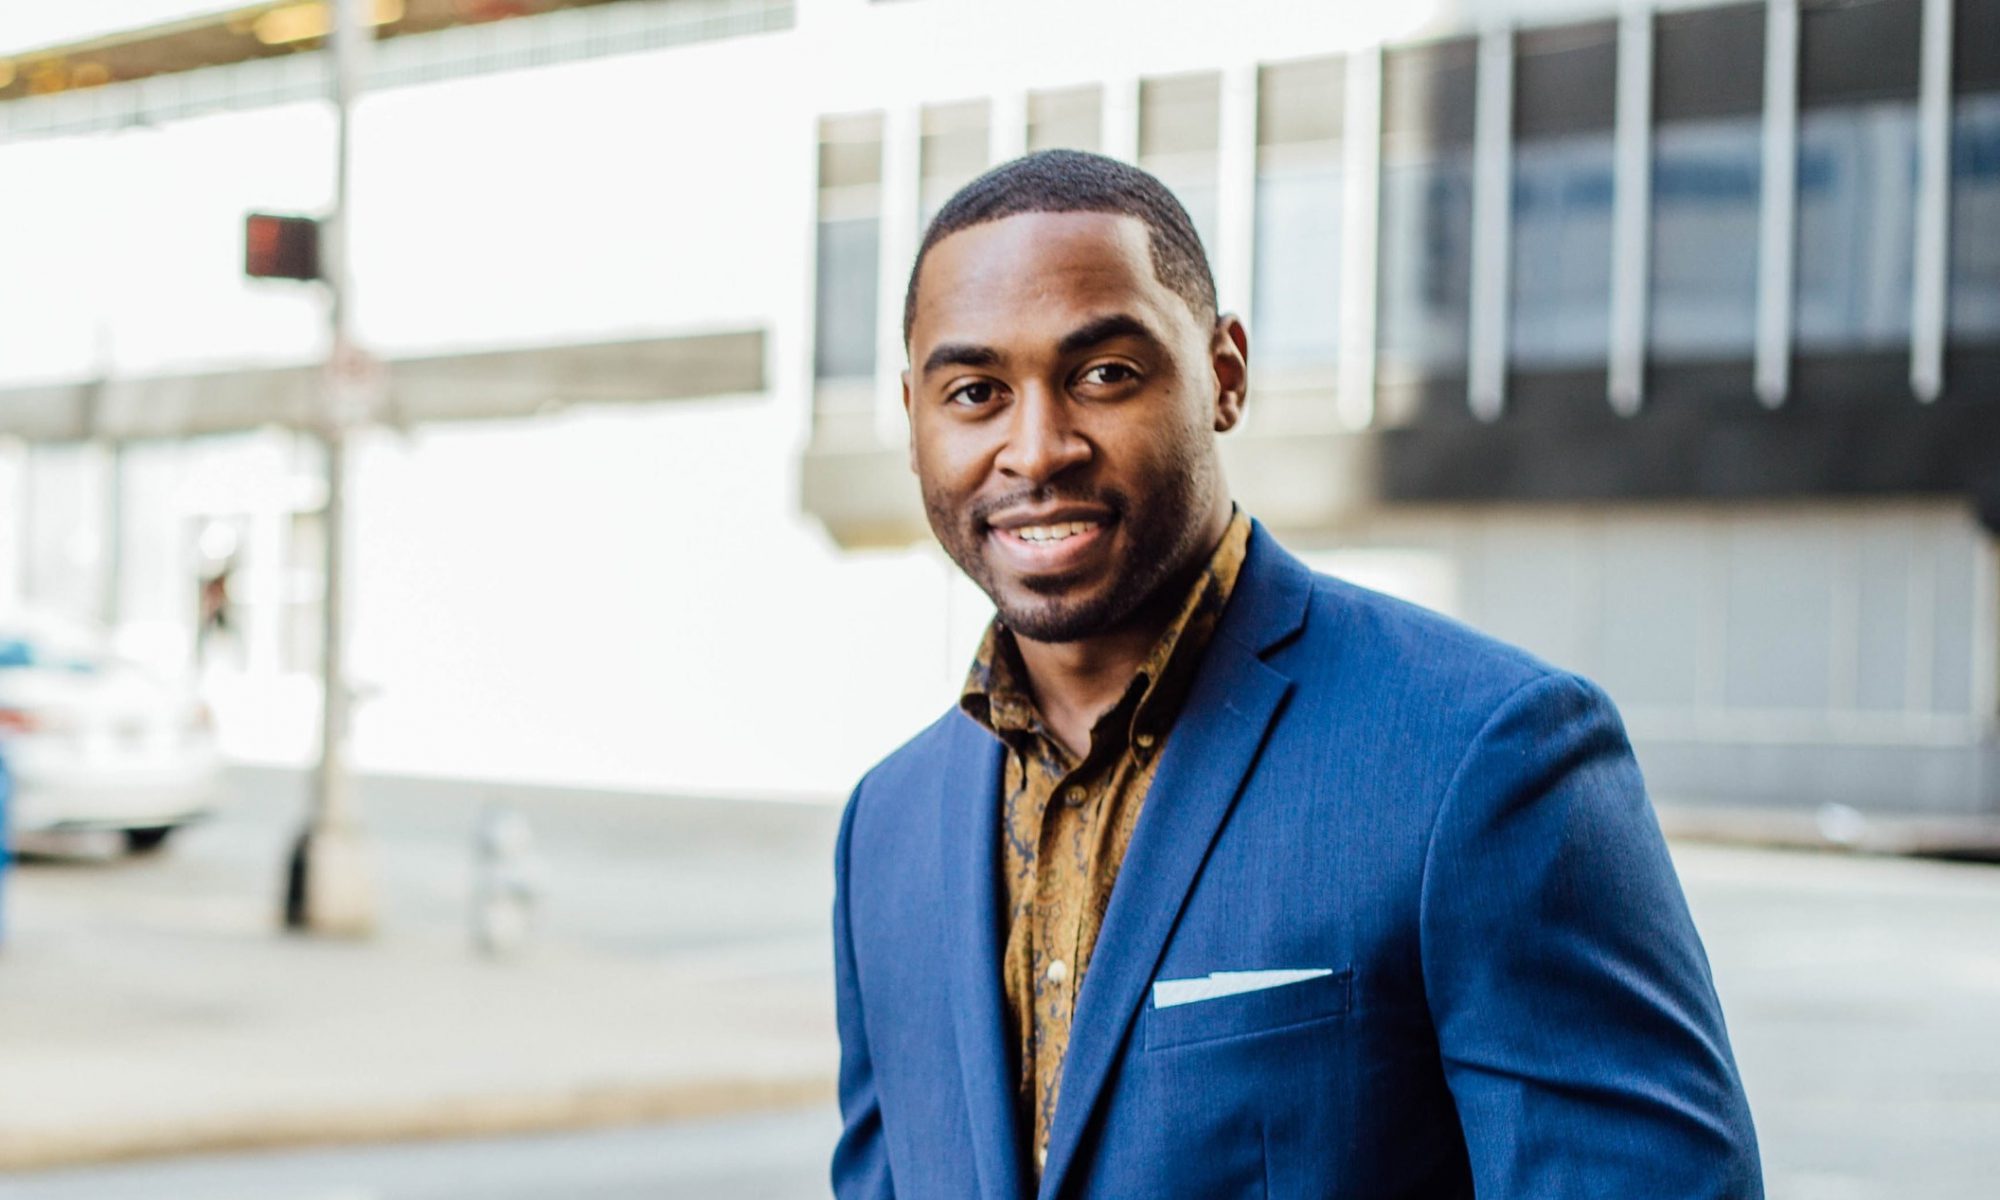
(97, 743)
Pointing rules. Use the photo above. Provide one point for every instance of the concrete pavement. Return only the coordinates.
(152, 1006)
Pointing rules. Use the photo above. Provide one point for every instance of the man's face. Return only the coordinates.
(1063, 407)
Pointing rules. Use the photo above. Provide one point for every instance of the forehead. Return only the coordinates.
(1036, 274)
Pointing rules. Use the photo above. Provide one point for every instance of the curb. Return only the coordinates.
(589, 1107)
(1833, 827)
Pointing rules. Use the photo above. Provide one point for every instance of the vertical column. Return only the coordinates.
(1843, 626)
(902, 143)
(1711, 667)
(1492, 216)
(31, 566)
(1121, 119)
(1007, 130)
(1778, 202)
(1920, 635)
(1631, 211)
(1986, 632)
(1236, 191)
(1933, 224)
(1360, 226)
(18, 509)
(111, 564)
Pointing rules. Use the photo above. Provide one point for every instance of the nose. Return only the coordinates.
(1042, 438)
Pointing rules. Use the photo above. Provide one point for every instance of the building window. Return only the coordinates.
(1296, 286)
(957, 142)
(1975, 174)
(850, 236)
(1180, 130)
(1856, 175)
(1066, 119)
(1708, 98)
(1425, 268)
(1565, 99)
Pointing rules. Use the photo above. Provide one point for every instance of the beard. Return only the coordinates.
(1163, 533)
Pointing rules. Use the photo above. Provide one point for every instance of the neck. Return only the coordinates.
(1075, 683)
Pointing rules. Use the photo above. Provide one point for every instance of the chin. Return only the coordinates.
(1043, 618)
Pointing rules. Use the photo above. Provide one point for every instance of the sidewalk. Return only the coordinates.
(152, 1006)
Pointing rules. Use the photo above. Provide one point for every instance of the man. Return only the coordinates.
(1223, 878)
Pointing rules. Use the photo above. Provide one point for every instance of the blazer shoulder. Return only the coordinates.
(1364, 634)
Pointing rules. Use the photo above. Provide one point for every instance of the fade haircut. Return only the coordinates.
(1071, 181)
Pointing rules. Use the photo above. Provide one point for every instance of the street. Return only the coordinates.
(682, 940)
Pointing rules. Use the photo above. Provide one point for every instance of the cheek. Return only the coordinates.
(1161, 443)
(948, 462)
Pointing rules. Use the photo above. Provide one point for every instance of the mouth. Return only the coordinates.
(1060, 531)
(1054, 543)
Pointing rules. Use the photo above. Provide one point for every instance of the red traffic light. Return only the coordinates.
(276, 247)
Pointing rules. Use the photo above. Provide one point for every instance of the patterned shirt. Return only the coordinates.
(1066, 822)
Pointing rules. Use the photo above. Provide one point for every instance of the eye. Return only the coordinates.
(976, 394)
(1108, 374)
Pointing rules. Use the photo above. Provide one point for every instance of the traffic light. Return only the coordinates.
(276, 247)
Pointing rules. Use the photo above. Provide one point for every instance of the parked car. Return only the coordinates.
(96, 742)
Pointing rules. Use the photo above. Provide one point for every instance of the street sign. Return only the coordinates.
(280, 247)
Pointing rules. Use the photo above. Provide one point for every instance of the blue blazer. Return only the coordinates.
(1445, 844)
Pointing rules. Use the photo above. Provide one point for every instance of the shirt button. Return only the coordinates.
(1076, 794)
(1042, 1158)
(1058, 971)
(1145, 741)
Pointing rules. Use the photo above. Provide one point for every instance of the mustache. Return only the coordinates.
(981, 513)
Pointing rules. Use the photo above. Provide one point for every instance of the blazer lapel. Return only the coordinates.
(969, 800)
(1209, 754)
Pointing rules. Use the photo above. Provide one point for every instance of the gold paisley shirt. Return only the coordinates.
(1066, 822)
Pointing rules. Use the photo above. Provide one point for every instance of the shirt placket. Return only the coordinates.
(1062, 864)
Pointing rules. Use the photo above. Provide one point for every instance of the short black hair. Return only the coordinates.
(1066, 181)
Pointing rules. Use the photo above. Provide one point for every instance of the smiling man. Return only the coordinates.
(1223, 878)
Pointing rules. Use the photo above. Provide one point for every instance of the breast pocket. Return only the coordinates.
(1243, 1014)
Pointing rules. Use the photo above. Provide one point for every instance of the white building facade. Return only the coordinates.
(1664, 341)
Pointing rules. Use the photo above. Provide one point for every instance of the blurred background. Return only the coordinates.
(1663, 339)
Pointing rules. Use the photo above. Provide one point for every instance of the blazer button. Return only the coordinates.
(1075, 794)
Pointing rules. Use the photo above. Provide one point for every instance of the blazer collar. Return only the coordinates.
(1233, 700)
(971, 895)
(1268, 607)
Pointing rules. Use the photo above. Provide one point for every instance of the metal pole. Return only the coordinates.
(1631, 211)
(1492, 224)
(1932, 259)
(329, 888)
(1360, 228)
(1777, 209)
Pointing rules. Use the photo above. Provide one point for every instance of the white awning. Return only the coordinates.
(472, 386)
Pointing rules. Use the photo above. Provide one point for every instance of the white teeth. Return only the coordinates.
(1053, 533)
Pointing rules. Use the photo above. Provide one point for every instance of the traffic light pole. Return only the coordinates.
(329, 887)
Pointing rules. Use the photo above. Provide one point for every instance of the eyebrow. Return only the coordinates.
(1096, 333)
(960, 354)
(1105, 329)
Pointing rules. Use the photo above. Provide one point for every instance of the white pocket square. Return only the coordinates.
(1169, 992)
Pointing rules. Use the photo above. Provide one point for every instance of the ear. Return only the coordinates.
(909, 420)
(1229, 352)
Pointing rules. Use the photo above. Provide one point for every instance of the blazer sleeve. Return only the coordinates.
(861, 1157)
(1576, 1018)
